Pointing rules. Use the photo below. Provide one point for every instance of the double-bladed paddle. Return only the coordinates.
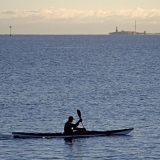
(79, 115)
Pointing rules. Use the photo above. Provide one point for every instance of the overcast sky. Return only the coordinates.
(78, 16)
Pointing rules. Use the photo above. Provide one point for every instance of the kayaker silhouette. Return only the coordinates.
(69, 131)
(69, 127)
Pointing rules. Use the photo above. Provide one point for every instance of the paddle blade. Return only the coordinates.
(79, 113)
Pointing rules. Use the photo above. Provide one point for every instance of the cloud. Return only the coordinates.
(8, 12)
(63, 14)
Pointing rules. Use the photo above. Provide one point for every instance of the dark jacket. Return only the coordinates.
(69, 127)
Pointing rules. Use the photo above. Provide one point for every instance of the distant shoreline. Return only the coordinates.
(79, 34)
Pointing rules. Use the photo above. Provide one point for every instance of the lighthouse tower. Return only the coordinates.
(116, 29)
(10, 30)
(135, 28)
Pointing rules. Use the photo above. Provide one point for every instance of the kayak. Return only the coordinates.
(76, 134)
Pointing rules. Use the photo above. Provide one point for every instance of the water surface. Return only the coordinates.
(113, 80)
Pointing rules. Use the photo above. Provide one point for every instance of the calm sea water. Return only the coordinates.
(113, 80)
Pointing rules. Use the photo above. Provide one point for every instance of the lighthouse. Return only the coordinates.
(135, 27)
(10, 30)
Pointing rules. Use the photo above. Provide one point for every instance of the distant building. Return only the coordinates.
(127, 32)
(121, 32)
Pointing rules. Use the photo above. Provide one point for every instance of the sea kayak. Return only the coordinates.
(82, 134)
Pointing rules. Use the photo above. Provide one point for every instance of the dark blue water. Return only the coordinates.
(113, 80)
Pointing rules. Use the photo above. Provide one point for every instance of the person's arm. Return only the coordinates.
(75, 125)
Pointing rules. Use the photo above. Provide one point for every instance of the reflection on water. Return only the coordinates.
(74, 141)
(69, 141)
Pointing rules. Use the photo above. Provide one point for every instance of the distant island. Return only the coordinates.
(131, 32)
(127, 32)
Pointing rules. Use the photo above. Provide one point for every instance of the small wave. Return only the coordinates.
(5, 137)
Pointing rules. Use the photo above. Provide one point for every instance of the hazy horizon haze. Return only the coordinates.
(78, 17)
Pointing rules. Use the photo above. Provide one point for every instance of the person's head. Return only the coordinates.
(70, 119)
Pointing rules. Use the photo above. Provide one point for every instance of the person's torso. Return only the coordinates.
(68, 128)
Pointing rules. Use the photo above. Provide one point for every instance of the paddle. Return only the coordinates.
(79, 115)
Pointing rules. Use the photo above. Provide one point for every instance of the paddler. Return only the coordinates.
(69, 127)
